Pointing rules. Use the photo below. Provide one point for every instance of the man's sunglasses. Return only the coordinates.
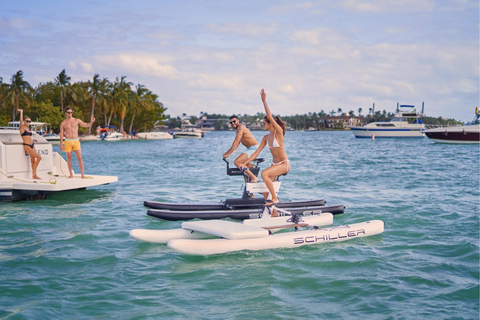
(69, 112)
(232, 122)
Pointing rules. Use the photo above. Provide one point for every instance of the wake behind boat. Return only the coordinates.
(405, 124)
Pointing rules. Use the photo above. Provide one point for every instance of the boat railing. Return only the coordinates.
(436, 126)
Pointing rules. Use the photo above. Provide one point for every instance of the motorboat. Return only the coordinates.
(16, 181)
(466, 134)
(114, 136)
(188, 131)
(53, 138)
(89, 137)
(405, 124)
(154, 135)
(110, 133)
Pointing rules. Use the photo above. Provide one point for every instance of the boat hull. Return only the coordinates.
(460, 135)
(154, 135)
(235, 214)
(363, 132)
(279, 240)
(187, 135)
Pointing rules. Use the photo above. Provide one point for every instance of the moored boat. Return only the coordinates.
(405, 124)
(16, 181)
(466, 134)
(154, 135)
(188, 131)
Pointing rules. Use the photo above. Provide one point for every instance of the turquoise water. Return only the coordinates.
(71, 256)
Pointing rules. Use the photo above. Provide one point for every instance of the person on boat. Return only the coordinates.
(274, 140)
(28, 144)
(245, 137)
(69, 130)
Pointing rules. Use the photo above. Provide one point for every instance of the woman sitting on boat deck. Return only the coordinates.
(274, 140)
(28, 144)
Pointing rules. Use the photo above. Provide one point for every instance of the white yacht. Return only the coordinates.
(154, 135)
(188, 130)
(405, 124)
(16, 181)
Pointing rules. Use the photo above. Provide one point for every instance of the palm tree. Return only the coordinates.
(360, 111)
(19, 90)
(62, 80)
(120, 99)
(139, 101)
(97, 90)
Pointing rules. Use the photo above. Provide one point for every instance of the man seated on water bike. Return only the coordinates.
(244, 136)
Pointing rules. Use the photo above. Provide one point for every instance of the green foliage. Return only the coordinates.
(112, 103)
(46, 112)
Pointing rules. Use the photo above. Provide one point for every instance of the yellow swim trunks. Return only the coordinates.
(71, 144)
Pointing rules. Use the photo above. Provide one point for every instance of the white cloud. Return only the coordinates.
(139, 63)
(381, 6)
(251, 29)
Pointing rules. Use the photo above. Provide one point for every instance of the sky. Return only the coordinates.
(215, 56)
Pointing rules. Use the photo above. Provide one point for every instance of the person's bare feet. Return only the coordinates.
(36, 177)
(255, 180)
(70, 177)
(274, 213)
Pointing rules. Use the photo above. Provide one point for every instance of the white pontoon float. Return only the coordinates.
(195, 237)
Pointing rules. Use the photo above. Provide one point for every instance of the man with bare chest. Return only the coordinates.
(69, 131)
(245, 137)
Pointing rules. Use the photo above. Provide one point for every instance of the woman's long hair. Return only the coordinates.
(278, 121)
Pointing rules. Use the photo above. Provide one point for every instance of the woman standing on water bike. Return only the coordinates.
(28, 144)
(274, 140)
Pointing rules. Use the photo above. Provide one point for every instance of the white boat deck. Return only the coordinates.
(16, 181)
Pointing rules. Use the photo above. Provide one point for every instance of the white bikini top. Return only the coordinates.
(275, 143)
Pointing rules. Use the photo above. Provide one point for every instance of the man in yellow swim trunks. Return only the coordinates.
(69, 131)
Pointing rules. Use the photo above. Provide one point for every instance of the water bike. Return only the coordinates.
(238, 208)
(206, 237)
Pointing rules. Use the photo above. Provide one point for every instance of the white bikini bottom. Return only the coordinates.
(287, 161)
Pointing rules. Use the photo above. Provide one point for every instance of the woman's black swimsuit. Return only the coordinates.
(30, 145)
(27, 133)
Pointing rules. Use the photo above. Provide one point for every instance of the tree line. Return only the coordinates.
(132, 107)
(116, 103)
(319, 121)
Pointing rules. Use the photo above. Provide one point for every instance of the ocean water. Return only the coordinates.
(71, 256)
